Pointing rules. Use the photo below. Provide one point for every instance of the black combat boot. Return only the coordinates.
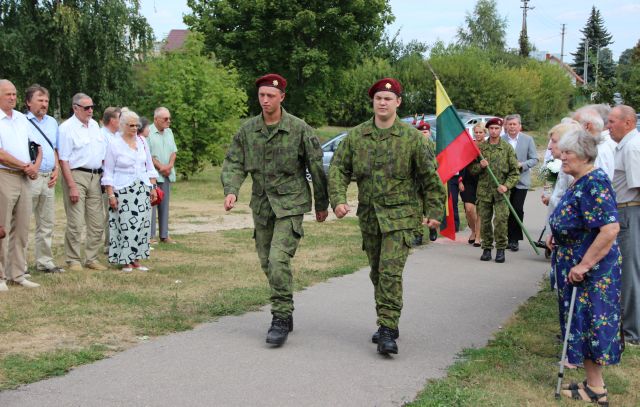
(500, 256)
(376, 335)
(433, 235)
(277, 334)
(386, 343)
(486, 255)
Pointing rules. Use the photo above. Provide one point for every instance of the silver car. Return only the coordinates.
(328, 148)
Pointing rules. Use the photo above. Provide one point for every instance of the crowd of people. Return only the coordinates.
(110, 176)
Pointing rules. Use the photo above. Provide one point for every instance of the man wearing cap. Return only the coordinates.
(390, 161)
(501, 158)
(276, 148)
(82, 147)
(425, 129)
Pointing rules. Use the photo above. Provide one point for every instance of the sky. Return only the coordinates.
(429, 21)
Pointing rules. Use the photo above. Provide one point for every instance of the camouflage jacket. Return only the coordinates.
(277, 162)
(504, 164)
(389, 166)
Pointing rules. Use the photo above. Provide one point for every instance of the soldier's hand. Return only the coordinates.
(229, 202)
(321, 215)
(341, 210)
(484, 163)
(502, 189)
(431, 223)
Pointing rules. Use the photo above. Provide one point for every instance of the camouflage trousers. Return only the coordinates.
(493, 227)
(276, 243)
(387, 254)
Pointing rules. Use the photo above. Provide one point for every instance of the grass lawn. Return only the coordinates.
(519, 366)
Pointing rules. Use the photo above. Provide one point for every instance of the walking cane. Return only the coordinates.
(566, 341)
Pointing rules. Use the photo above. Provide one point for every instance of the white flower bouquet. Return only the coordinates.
(549, 171)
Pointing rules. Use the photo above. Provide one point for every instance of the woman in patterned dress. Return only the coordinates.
(130, 181)
(586, 255)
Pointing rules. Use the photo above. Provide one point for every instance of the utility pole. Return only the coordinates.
(586, 60)
(597, 65)
(562, 45)
(524, 39)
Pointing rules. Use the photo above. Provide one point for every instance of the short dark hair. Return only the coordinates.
(31, 90)
(144, 123)
(110, 113)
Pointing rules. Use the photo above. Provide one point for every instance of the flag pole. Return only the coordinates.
(506, 199)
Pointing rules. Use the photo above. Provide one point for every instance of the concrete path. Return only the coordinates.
(452, 301)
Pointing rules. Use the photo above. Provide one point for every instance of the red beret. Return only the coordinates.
(386, 84)
(496, 121)
(272, 79)
(423, 126)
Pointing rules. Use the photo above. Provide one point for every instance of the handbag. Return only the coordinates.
(159, 192)
(159, 197)
(33, 151)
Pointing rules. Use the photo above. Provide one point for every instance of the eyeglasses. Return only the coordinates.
(133, 126)
(86, 108)
(166, 119)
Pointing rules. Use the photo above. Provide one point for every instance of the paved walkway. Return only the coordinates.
(452, 301)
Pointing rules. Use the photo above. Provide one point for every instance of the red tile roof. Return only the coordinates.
(175, 39)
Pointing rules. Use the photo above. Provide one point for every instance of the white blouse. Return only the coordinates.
(123, 165)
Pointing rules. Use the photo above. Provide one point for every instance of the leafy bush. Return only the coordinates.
(204, 97)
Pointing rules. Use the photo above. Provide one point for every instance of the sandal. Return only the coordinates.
(577, 386)
(576, 392)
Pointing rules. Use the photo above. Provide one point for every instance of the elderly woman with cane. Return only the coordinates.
(130, 181)
(586, 257)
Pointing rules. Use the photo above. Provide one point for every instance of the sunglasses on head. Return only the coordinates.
(86, 108)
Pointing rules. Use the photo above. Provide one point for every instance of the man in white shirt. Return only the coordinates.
(592, 122)
(16, 169)
(82, 148)
(626, 183)
(110, 126)
(44, 131)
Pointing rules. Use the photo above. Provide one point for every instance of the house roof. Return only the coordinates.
(569, 69)
(175, 39)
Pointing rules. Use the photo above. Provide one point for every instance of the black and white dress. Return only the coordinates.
(129, 172)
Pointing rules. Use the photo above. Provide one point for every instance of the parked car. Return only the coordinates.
(328, 148)
(471, 121)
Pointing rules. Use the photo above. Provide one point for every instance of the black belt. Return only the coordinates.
(89, 170)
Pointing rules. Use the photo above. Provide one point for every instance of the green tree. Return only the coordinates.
(74, 46)
(628, 76)
(205, 100)
(598, 38)
(523, 42)
(308, 42)
(485, 29)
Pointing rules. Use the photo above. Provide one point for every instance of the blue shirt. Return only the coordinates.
(49, 126)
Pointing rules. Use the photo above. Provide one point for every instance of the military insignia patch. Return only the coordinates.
(388, 85)
(275, 82)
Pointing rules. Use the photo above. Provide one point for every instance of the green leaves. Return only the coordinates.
(204, 98)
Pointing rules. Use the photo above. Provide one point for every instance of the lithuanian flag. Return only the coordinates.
(455, 149)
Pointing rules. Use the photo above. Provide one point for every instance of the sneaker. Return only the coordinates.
(26, 283)
(127, 269)
(75, 267)
(3, 286)
(278, 332)
(54, 269)
(96, 266)
(142, 268)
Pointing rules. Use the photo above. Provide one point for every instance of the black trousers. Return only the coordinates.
(517, 197)
(454, 190)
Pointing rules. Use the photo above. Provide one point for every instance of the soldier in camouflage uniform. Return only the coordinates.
(390, 161)
(501, 158)
(275, 147)
(425, 129)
